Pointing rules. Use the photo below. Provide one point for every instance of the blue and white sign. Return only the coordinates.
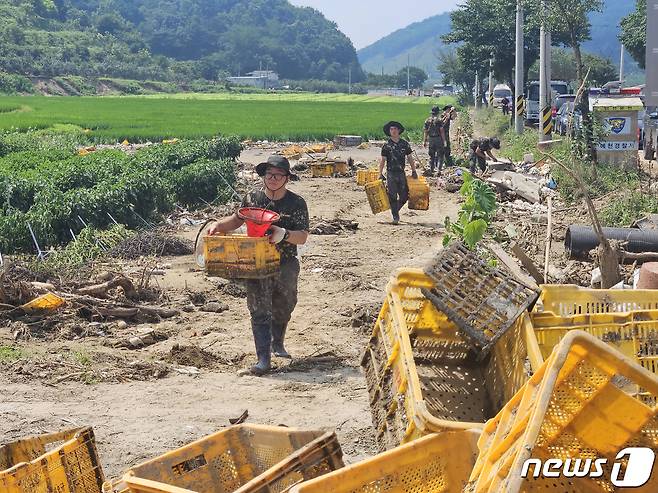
(617, 125)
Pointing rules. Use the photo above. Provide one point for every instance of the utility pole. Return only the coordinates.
(621, 64)
(477, 90)
(408, 78)
(491, 97)
(545, 117)
(518, 70)
(349, 80)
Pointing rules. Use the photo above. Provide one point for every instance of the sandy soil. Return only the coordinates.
(135, 420)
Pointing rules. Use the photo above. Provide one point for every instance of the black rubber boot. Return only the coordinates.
(278, 336)
(264, 364)
(262, 341)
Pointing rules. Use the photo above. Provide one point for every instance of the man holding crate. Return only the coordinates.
(394, 154)
(271, 301)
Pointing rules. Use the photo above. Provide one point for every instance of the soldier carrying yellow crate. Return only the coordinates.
(271, 301)
(394, 154)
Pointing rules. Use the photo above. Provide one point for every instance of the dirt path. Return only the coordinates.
(136, 420)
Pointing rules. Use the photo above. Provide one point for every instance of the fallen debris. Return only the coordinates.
(159, 243)
(141, 340)
(191, 356)
(214, 307)
(322, 226)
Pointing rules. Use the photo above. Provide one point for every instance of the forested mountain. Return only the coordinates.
(171, 39)
(421, 40)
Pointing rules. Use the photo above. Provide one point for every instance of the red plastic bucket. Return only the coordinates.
(258, 220)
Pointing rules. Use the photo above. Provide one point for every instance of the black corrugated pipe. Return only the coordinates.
(579, 240)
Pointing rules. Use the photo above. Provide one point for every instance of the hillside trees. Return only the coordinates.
(634, 32)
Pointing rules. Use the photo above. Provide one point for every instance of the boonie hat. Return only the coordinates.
(387, 127)
(276, 161)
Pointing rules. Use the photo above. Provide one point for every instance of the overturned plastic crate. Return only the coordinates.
(634, 334)
(565, 300)
(483, 301)
(64, 462)
(435, 463)
(423, 377)
(242, 458)
(576, 406)
(322, 170)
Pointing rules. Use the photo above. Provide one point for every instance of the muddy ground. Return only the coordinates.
(143, 402)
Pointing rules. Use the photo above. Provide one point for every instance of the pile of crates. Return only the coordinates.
(474, 380)
(422, 373)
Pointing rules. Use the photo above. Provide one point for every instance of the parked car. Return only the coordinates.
(566, 115)
(532, 98)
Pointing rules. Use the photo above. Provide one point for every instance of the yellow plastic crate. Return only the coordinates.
(322, 170)
(364, 176)
(240, 257)
(635, 334)
(377, 196)
(423, 377)
(438, 463)
(565, 300)
(240, 459)
(419, 193)
(575, 406)
(64, 462)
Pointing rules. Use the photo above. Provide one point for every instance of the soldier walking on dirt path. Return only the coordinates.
(271, 301)
(434, 133)
(449, 114)
(394, 154)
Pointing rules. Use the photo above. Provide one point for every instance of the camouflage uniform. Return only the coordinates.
(447, 151)
(484, 144)
(433, 127)
(271, 301)
(396, 181)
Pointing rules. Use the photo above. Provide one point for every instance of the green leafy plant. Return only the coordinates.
(476, 212)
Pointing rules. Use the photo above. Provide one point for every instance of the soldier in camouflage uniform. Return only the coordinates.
(394, 154)
(435, 134)
(271, 301)
(449, 114)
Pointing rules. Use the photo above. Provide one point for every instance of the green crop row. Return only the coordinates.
(54, 191)
(256, 116)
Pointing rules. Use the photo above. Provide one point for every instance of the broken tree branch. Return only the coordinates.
(608, 257)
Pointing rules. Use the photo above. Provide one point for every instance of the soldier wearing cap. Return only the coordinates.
(435, 134)
(394, 154)
(271, 301)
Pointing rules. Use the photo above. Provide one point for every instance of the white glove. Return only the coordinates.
(277, 234)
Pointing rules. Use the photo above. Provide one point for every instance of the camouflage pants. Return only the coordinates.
(436, 151)
(447, 152)
(271, 302)
(398, 192)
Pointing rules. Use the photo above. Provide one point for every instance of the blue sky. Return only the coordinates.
(366, 21)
